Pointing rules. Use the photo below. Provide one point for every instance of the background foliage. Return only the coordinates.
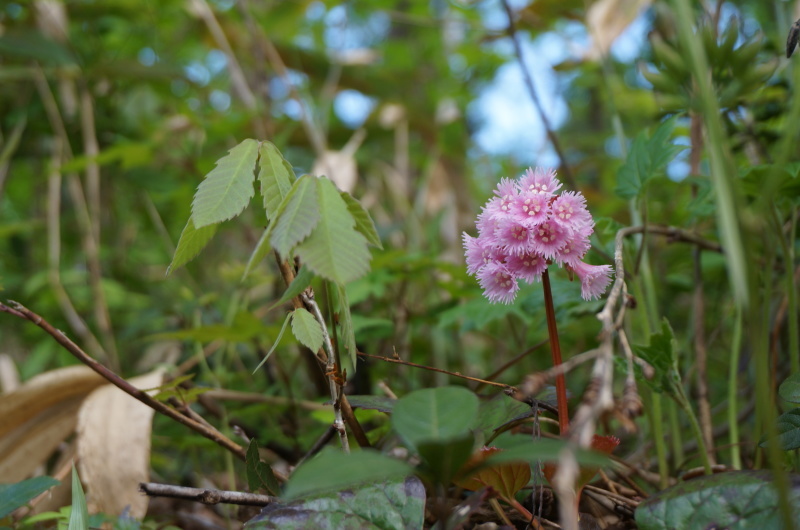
(112, 112)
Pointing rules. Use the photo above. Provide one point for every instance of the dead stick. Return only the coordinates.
(205, 495)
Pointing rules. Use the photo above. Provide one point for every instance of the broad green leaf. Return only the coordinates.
(788, 427)
(297, 215)
(348, 336)
(277, 341)
(79, 516)
(228, 188)
(497, 411)
(790, 389)
(190, 244)
(259, 474)
(333, 470)
(381, 403)
(259, 253)
(392, 505)
(364, 223)
(442, 459)
(515, 449)
(334, 250)
(276, 177)
(306, 329)
(735, 500)
(13, 496)
(435, 414)
(298, 285)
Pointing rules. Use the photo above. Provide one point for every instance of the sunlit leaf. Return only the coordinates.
(190, 244)
(306, 329)
(79, 516)
(228, 188)
(334, 250)
(276, 177)
(364, 223)
(296, 216)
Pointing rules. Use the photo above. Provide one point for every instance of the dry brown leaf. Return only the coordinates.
(607, 19)
(37, 417)
(114, 447)
(43, 391)
(340, 166)
(9, 376)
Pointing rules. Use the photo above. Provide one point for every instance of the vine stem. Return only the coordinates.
(555, 348)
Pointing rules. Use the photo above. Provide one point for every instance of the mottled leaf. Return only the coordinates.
(738, 499)
(393, 505)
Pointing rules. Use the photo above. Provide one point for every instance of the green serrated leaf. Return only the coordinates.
(788, 428)
(79, 516)
(646, 159)
(348, 336)
(191, 242)
(276, 177)
(259, 474)
(13, 496)
(364, 222)
(398, 504)
(298, 285)
(334, 250)
(228, 188)
(306, 329)
(277, 341)
(296, 216)
(435, 414)
(333, 470)
(790, 389)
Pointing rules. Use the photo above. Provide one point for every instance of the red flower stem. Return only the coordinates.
(555, 348)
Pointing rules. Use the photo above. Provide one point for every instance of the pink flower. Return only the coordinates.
(525, 227)
(528, 267)
(569, 210)
(532, 206)
(499, 285)
(594, 278)
(539, 180)
(548, 237)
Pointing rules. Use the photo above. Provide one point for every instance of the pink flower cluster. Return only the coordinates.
(526, 227)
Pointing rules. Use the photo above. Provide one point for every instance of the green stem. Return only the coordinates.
(555, 348)
(657, 428)
(683, 402)
(676, 433)
(733, 387)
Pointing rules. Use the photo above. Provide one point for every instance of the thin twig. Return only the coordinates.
(205, 495)
(440, 370)
(566, 172)
(212, 434)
